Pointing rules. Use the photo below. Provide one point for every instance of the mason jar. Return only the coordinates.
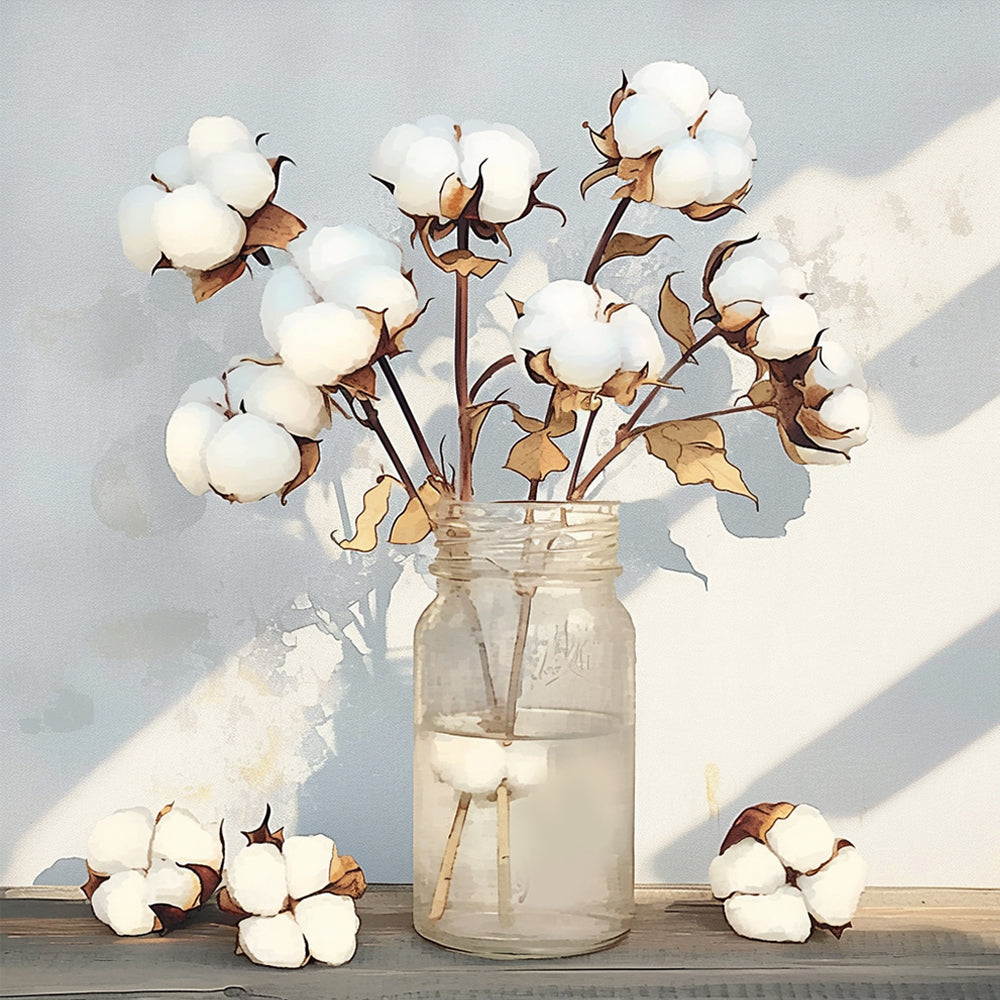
(524, 715)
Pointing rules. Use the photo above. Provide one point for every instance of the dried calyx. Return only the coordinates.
(148, 873)
(294, 897)
(781, 872)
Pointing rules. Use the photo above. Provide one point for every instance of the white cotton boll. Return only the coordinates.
(793, 281)
(605, 298)
(279, 396)
(682, 85)
(207, 391)
(832, 894)
(779, 916)
(377, 287)
(440, 126)
(643, 122)
(330, 924)
(391, 151)
(536, 333)
(526, 764)
(789, 328)
(174, 167)
(727, 116)
(637, 338)
(189, 430)
(802, 840)
(834, 367)
(249, 458)
(774, 252)
(748, 867)
(738, 315)
(506, 192)
(682, 174)
(324, 342)
(848, 411)
(135, 225)
(534, 160)
(285, 291)
(217, 134)
(307, 863)
(181, 837)
(256, 879)
(468, 763)
(168, 883)
(479, 148)
(120, 902)
(586, 355)
(120, 841)
(196, 230)
(239, 379)
(242, 179)
(334, 247)
(750, 147)
(731, 166)
(743, 279)
(276, 941)
(428, 163)
(565, 299)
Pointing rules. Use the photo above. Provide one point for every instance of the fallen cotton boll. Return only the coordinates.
(120, 902)
(242, 179)
(777, 916)
(279, 396)
(140, 243)
(181, 837)
(308, 861)
(468, 763)
(196, 230)
(330, 924)
(802, 840)
(324, 342)
(275, 940)
(173, 885)
(747, 867)
(255, 879)
(249, 458)
(120, 841)
(832, 893)
(286, 290)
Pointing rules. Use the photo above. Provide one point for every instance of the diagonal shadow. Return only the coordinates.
(942, 706)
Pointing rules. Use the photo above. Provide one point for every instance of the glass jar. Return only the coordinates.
(524, 713)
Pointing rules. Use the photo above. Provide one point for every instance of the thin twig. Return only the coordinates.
(418, 435)
(579, 454)
(372, 421)
(504, 900)
(489, 373)
(440, 900)
(602, 243)
(462, 371)
(516, 664)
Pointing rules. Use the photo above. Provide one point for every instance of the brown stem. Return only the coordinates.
(372, 421)
(418, 435)
(489, 373)
(503, 855)
(516, 664)
(602, 243)
(462, 396)
(579, 454)
(440, 900)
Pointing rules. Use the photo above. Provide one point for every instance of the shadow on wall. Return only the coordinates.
(939, 708)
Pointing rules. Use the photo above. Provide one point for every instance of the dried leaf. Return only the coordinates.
(350, 881)
(608, 170)
(526, 423)
(695, 451)
(361, 383)
(375, 507)
(168, 917)
(227, 904)
(272, 226)
(535, 456)
(630, 245)
(263, 835)
(93, 882)
(309, 462)
(414, 524)
(675, 316)
(476, 416)
(638, 171)
(565, 402)
(755, 822)
(205, 284)
(466, 262)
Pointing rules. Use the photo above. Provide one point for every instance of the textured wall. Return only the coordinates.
(839, 646)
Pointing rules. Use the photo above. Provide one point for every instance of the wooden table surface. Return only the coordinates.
(909, 944)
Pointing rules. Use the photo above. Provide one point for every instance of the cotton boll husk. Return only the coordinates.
(586, 355)
(120, 841)
(181, 837)
(207, 391)
(526, 764)
(802, 840)
(168, 883)
(789, 328)
(428, 163)
(323, 342)
(217, 134)
(189, 430)
(746, 279)
(330, 924)
(847, 410)
(637, 338)
(747, 867)
(120, 902)
(256, 880)
(468, 764)
(682, 85)
(276, 941)
(832, 894)
(196, 230)
(737, 315)
(285, 291)
(643, 122)
(834, 367)
(334, 247)
(135, 225)
(277, 395)
(731, 166)
(567, 300)
(174, 167)
(307, 863)
(391, 151)
(727, 116)
(536, 333)
(682, 174)
(249, 458)
(243, 179)
(778, 916)
(377, 287)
